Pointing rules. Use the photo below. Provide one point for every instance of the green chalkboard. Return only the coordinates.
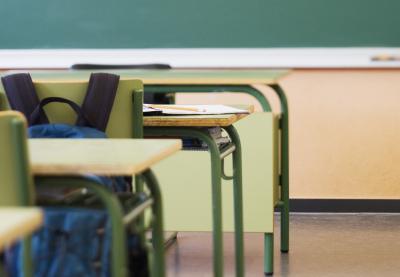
(198, 23)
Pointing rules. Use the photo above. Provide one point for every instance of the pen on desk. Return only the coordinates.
(166, 107)
(385, 58)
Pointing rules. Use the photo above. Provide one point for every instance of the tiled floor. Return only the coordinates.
(321, 245)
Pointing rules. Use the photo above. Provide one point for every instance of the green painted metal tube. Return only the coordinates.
(268, 253)
(284, 168)
(137, 132)
(26, 192)
(18, 132)
(137, 113)
(28, 268)
(216, 183)
(259, 96)
(113, 207)
(238, 200)
(158, 230)
(223, 174)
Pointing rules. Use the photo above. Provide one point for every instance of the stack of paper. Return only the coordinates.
(196, 144)
(154, 109)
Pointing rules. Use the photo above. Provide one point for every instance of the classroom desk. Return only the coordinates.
(195, 126)
(16, 223)
(216, 81)
(66, 157)
(98, 156)
(237, 81)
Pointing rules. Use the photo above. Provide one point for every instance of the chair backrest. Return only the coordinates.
(121, 122)
(16, 183)
(148, 97)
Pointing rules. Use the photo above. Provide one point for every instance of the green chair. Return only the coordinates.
(128, 101)
(16, 187)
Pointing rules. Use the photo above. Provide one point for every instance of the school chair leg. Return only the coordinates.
(268, 253)
(27, 256)
(114, 209)
(118, 234)
(139, 187)
(238, 201)
(158, 230)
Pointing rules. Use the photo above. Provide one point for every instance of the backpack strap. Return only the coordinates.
(148, 97)
(21, 95)
(34, 118)
(99, 100)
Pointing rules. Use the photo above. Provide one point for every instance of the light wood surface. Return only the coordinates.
(221, 120)
(98, 156)
(18, 222)
(173, 76)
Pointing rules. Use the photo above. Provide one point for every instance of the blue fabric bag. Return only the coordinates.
(74, 241)
(58, 130)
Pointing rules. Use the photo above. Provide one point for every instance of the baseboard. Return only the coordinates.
(345, 205)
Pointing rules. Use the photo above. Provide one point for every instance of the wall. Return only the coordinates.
(345, 132)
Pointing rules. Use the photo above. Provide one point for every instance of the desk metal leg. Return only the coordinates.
(216, 184)
(157, 230)
(238, 200)
(19, 146)
(268, 253)
(217, 206)
(284, 178)
(113, 207)
(247, 89)
(27, 256)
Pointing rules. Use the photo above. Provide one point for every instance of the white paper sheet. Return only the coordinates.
(192, 109)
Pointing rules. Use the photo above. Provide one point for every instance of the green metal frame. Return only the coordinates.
(114, 208)
(283, 204)
(19, 146)
(166, 89)
(157, 224)
(137, 114)
(216, 176)
(269, 253)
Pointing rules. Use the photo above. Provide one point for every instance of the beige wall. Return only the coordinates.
(345, 132)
